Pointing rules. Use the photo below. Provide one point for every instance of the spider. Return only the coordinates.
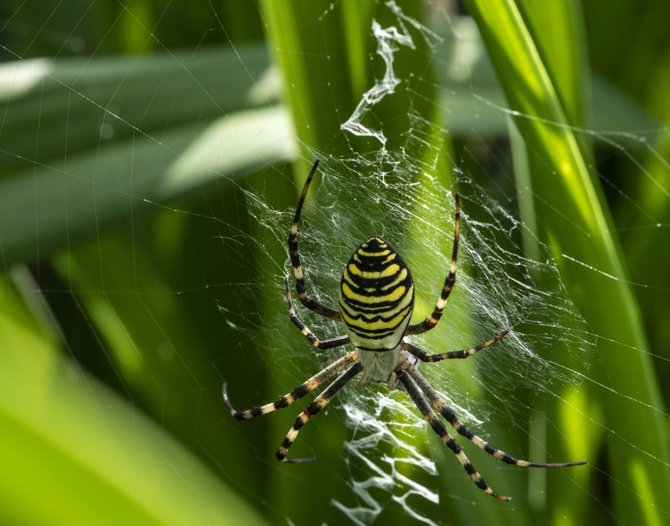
(376, 299)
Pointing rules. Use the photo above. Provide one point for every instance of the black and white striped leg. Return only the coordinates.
(449, 415)
(437, 425)
(450, 280)
(307, 333)
(319, 403)
(298, 392)
(465, 353)
(295, 257)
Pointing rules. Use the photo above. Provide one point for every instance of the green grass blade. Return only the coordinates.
(84, 145)
(72, 452)
(575, 220)
(325, 64)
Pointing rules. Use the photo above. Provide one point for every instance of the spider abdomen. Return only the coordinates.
(376, 296)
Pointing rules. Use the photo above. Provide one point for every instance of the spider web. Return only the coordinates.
(391, 460)
(497, 287)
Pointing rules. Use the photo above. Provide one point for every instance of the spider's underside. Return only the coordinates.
(376, 299)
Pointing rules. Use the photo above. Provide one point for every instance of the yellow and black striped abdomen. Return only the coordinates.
(376, 296)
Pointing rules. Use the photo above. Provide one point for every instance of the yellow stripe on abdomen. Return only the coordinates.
(376, 296)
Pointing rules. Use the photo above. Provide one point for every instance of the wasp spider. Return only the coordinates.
(376, 299)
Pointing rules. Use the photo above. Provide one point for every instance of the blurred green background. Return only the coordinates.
(134, 275)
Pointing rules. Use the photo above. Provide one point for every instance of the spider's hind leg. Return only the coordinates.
(298, 273)
(431, 321)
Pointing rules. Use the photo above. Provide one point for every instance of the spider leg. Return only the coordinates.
(298, 392)
(449, 415)
(319, 403)
(308, 302)
(307, 333)
(465, 353)
(432, 418)
(450, 280)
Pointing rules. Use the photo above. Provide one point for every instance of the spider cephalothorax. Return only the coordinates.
(376, 299)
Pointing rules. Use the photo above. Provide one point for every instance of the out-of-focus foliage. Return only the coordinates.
(128, 133)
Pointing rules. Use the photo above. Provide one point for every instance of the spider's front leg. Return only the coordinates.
(298, 392)
(422, 393)
(441, 407)
(433, 420)
(314, 408)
